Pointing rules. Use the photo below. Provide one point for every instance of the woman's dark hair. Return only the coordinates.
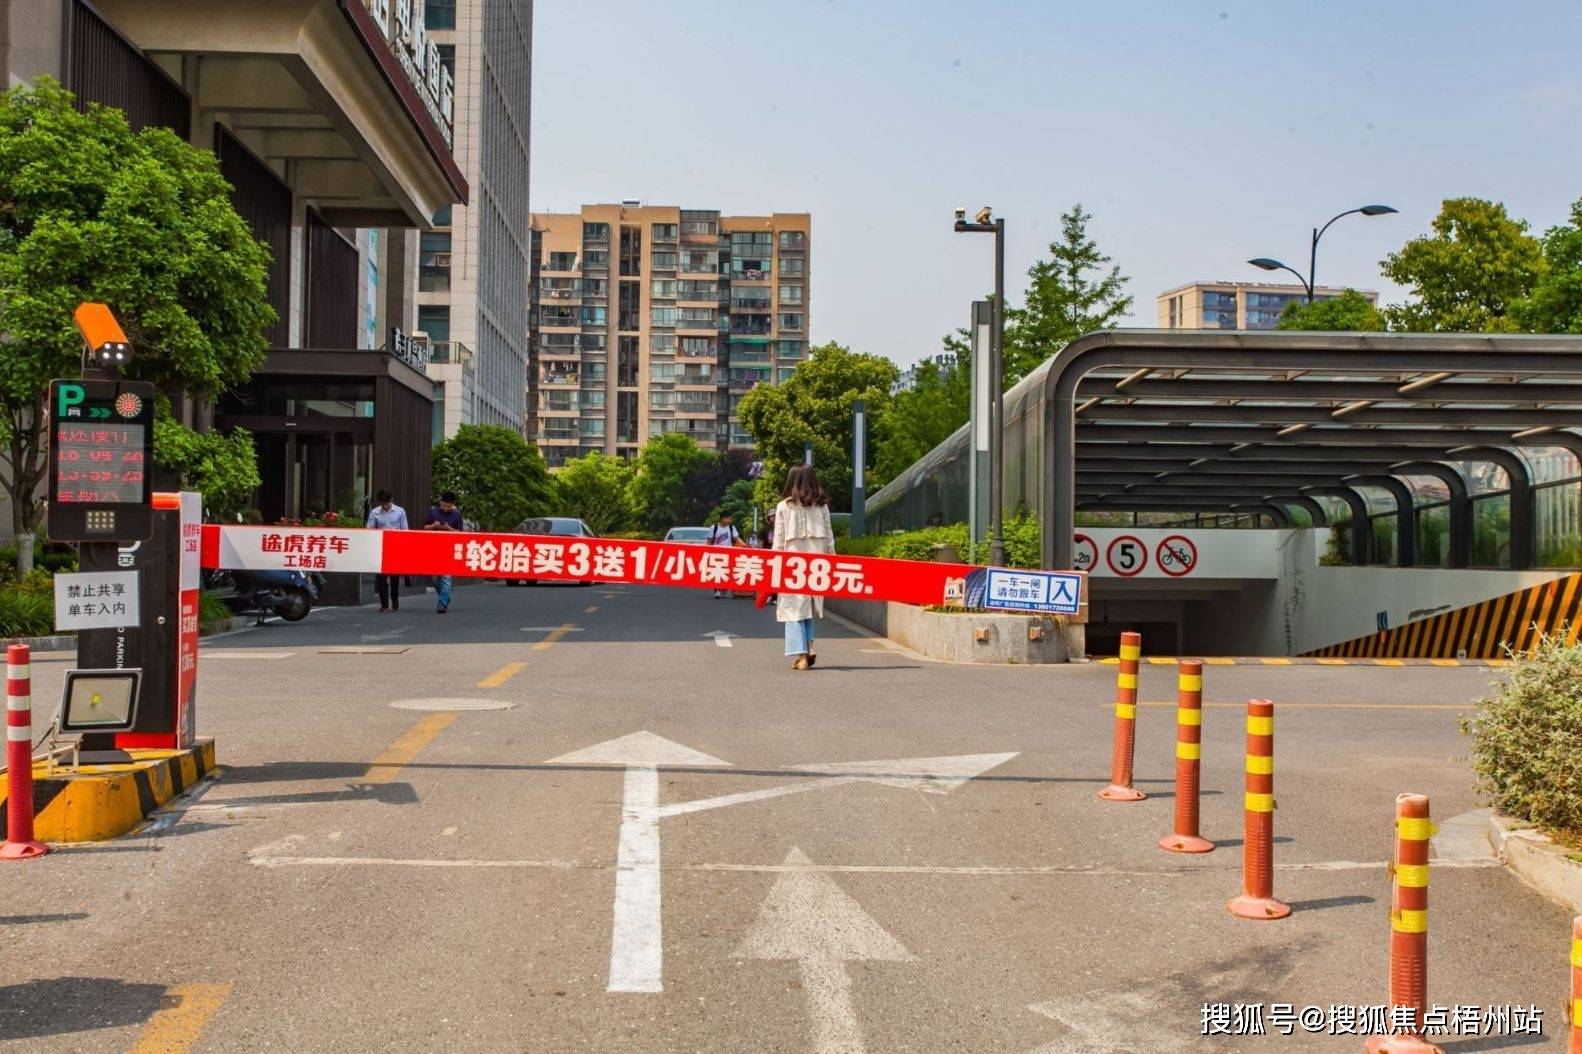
(382, 497)
(802, 487)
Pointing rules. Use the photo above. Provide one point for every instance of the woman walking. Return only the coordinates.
(801, 525)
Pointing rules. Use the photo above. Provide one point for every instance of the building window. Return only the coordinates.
(666, 261)
(662, 344)
(791, 349)
(790, 294)
(434, 262)
(793, 239)
(561, 262)
(663, 288)
(791, 320)
(666, 232)
(442, 216)
(663, 316)
(595, 232)
(447, 58)
(434, 319)
(439, 14)
(790, 265)
(594, 316)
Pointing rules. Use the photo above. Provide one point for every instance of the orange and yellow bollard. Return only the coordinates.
(1189, 754)
(1257, 900)
(19, 841)
(1575, 1030)
(1120, 788)
(1409, 926)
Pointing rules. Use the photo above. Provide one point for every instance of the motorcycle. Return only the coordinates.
(288, 594)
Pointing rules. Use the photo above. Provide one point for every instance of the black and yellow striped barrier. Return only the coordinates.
(1478, 631)
(97, 802)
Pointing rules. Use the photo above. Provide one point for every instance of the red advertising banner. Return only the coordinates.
(481, 555)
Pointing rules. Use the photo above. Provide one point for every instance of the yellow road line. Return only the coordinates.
(1335, 706)
(1275, 662)
(503, 674)
(403, 750)
(175, 1029)
(553, 635)
(590, 609)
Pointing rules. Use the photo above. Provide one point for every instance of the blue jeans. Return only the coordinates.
(799, 637)
(442, 587)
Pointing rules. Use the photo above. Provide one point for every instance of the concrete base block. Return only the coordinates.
(975, 638)
(96, 802)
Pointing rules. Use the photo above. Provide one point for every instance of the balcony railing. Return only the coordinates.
(448, 351)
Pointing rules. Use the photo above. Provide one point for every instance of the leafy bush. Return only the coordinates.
(1527, 739)
(1023, 543)
(212, 610)
(27, 611)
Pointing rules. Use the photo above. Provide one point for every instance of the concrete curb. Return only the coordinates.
(1539, 863)
(976, 638)
(68, 641)
(103, 801)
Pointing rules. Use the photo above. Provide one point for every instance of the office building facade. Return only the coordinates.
(471, 299)
(654, 319)
(1236, 305)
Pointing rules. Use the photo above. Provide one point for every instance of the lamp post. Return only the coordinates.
(859, 454)
(1310, 279)
(986, 223)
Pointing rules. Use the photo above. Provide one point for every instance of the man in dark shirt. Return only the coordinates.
(443, 517)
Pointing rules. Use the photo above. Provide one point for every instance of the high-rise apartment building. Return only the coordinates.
(651, 319)
(473, 267)
(1236, 305)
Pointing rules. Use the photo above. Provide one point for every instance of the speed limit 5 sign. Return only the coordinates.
(1126, 555)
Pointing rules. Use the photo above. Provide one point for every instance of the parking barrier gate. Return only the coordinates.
(1120, 788)
(20, 843)
(1189, 754)
(1257, 867)
(1576, 987)
(1408, 926)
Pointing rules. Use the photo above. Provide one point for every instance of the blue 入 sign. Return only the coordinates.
(1055, 592)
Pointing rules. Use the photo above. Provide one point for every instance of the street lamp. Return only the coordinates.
(1308, 281)
(984, 222)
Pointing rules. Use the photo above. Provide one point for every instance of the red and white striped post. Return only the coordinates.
(19, 843)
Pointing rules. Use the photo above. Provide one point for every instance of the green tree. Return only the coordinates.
(1469, 274)
(815, 406)
(499, 478)
(664, 493)
(223, 468)
(1076, 291)
(142, 222)
(923, 416)
(1555, 305)
(738, 501)
(597, 489)
(1348, 312)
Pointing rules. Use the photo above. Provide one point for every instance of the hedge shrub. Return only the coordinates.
(1527, 739)
(1023, 543)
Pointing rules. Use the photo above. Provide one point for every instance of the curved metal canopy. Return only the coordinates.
(1259, 421)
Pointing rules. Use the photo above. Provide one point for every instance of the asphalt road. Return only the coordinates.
(728, 874)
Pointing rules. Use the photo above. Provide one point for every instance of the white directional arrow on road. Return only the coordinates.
(636, 946)
(636, 939)
(809, 920)
(721, 638)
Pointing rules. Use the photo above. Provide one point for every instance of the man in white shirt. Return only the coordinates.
(724, 533)
(386, 515)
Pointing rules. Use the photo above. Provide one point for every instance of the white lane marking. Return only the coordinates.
(261, 858)
(721, 638)
(551, 629)
(935, 775)
(399, 631)
(808, 919)
(636, 936)
(242, 653)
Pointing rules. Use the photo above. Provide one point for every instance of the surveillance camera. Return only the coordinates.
(961, 213)
(985, 215)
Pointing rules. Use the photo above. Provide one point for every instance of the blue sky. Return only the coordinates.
(1198, 134)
